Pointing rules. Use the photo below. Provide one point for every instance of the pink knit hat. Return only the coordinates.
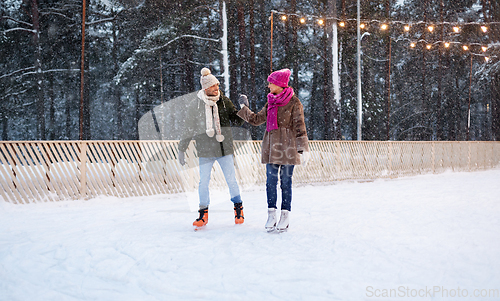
(280, 77)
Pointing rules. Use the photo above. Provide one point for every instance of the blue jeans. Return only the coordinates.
(285, 172)
(227, 165)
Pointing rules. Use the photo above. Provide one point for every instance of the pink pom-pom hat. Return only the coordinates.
(280, 77)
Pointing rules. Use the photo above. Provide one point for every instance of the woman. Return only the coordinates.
(284, 144)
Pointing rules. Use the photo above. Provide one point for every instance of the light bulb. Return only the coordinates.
(430, 28)
(283, 18)
(321, 22)
(456, 29)
(484, 28)
(407, 27)
(383, 26)
(465, 47)
(429, 47)
(342, 24)
(446, 45)
(484, 48)
(412, 45)
(302, 20)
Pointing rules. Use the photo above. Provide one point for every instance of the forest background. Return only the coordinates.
(139, 54)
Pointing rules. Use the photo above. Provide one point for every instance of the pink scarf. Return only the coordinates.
(275, 101)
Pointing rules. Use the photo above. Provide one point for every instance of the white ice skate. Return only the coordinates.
(284, 221)
(271, 219)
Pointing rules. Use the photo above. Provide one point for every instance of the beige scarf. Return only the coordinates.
(211, 115)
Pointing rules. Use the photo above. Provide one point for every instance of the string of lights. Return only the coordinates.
(304, 18)
(408, 27)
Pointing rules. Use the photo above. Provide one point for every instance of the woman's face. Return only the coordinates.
(275, 89)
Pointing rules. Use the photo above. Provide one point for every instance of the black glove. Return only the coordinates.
(243, 100)
(181, 158)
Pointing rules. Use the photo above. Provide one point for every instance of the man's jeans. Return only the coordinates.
(285, 172)
(227, 165)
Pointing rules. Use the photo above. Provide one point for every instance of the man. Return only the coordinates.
(210, 116)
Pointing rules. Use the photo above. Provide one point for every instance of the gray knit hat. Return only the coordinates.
(207, 79)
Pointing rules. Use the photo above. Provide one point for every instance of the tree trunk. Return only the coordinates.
(116, 87)
(327, 83)
(85, 89)
(491, 10)
(295, 47)
(5, 127)
(231, 45)
(388, 69)
(242, 51)
(40, 103)
(252, 92)
(495, 106)
(52, 117)
(439, 120)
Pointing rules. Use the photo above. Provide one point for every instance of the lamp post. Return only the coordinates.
(470, 92)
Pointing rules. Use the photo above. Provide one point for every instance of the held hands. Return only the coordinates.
(243, 101)
(304, 158)
(182, 159)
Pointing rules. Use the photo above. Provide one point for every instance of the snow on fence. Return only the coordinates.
(35, 171)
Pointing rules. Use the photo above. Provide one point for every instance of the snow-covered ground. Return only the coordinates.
(432, 237)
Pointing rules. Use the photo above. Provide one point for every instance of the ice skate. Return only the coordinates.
(271, 220)
(238, 213)
(284, 221)
(202, 220)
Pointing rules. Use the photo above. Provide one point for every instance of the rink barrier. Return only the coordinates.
(39, 171)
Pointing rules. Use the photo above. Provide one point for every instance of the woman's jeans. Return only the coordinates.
(227, 165)
(285, 173)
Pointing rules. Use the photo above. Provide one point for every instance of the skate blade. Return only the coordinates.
(282, 230)
(199, 228)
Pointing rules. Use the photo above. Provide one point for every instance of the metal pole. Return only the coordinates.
(389, 91)
(470, 91)
(272, 25)
(360, 116)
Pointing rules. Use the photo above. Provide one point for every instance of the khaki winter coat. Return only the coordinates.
(281, 146)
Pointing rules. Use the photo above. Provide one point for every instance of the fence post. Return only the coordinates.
(83, 169)
(433, 156)
(469, 155)
(389, 154)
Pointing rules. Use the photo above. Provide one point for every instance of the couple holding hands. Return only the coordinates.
(284, 145)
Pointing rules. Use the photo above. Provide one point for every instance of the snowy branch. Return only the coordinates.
(140, 51)
(200, 7)
(18, 29)
(109, 19)
(101, 21)
(49, 71)
(412, 128)
(28, 71)
(13, 94)
(15, 72)
(57, 14)
(17, 21)
(374, 59)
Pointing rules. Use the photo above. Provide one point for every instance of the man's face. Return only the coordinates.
(213, 90)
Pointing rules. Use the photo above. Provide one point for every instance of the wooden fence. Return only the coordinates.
(38, 171)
